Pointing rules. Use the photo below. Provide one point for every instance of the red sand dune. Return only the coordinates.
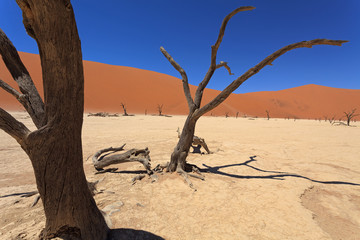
(106, 86)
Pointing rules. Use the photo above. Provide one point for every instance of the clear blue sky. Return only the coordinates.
(130, 33)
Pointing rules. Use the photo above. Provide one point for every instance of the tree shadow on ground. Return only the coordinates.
(22, 194)
(275, 176)
(133, 234)
(130, 172)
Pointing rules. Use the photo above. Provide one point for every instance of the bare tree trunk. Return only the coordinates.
(124, 108)
(181, 151)
(267, 114)
(55, 149)
(69, 207)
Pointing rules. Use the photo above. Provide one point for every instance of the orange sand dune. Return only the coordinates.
(106, 86)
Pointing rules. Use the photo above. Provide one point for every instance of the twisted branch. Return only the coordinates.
(224, 64)
(183, 75)
(252, 71)
(9, 89)
(13, 127)
(33, 102)
(214, 49)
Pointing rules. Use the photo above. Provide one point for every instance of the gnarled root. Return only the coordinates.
(186, 175)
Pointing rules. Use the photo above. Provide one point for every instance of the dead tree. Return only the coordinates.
(106, 157)
(237, 114)
(178, 157)
(267, 114)
(350, 115)
(54, 148)
(331, 120)
(160, 109)
(226, 114)
(124, 108)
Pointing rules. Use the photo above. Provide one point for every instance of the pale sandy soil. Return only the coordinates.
(302, 184)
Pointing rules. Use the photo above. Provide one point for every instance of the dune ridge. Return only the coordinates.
(107, 86)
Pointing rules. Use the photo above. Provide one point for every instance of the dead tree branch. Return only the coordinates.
(10, 90)
(182, 72)
(102, 114)
(252, 71)
(224, 64)
(133, 155)
(30, 99)
(109, 150)
(13, 127)
(214, 49)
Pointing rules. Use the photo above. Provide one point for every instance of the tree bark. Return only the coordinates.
(30, 98)
(55, 149)
(70, 210)
(181, 151)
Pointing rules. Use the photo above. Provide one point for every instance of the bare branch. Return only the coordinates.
(351, 114)
(224, 64)
(22, 98)
(13, 127)
(252, 71)
(214, 49)
(9, 89)
(183, 75)
(34, 104)
(133, 155)
(96, 156)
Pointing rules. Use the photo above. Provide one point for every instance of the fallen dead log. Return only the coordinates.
(106, 157)
(102, 114)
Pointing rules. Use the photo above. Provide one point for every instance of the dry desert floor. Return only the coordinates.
(267, 179)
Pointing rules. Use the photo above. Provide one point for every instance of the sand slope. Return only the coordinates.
(276, 179)
(106, 86)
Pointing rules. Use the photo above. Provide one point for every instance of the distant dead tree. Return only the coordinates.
(160, 109)
(124, 108)
(145, 112)
(350, 115)
(267, 114)
(237, 114)
(54, 147)
(180, 153)
(226, 114)
(332, 119)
